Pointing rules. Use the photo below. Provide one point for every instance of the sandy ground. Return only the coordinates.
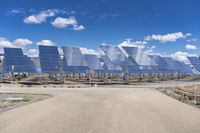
(128, 109)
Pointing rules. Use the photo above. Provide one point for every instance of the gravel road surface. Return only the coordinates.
(101, 110)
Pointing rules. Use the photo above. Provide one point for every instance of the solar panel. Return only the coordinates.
(36, 61)
(195, 62)
(74, 61)
(49, 59)
(171, 64)
(16, 61)
(108, 65)
(93, 62)
(118, 58)
(30, 64)
(139, 56)
(184, 68)
(168, 65)
(115, 55)
(145, 63)
(73, 56)
(162, 65)
(134, 68)
(14, 56)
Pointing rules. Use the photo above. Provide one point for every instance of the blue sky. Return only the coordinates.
(163, 26)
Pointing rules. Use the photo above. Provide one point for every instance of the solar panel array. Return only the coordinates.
(50, 59)
(168, 65)
(16, 61)
(114, 59)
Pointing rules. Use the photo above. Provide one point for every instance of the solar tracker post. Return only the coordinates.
(1, 71)
(1, 78)
(90, 78)
(195, 92)
(126, 75)
(62, 79)
(12, 74)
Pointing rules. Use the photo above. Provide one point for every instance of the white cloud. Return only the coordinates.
(63, 22)
(190, 47)
(192, 40)
(107, 15)
(67, 12)
(181, 56)
(17, 11)
(171, 37)
(32, 10)
(22, 42)
(150, 50)
(63, 11)
(60, 22)
(88, 51)
(4, 42)
(46, 43)
(32, 52)
(40, 17)
(132, 43)
(78, 27)
(18, 43)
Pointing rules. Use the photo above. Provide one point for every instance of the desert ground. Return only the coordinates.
(102, 109)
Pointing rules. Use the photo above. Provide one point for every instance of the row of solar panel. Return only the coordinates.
(114, 59)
